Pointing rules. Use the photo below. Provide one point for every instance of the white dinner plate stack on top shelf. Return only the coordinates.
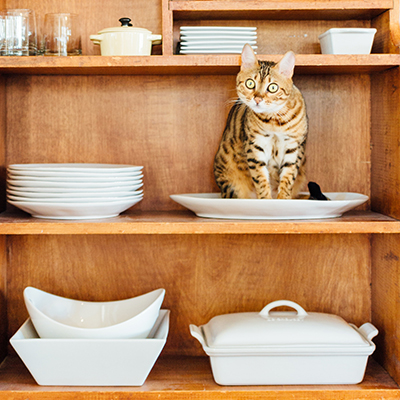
(216, 39)
(74, 191)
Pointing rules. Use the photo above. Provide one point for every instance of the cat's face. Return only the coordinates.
(264, 86)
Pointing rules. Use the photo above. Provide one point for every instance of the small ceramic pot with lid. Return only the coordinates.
(125, 40)
(283, 348)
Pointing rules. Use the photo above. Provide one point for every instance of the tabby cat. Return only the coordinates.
(262, 151)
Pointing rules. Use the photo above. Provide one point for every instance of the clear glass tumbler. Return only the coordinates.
(61, 35)
(18, 32)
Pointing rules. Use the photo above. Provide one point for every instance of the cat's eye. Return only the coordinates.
(272, 88)
(250, 84)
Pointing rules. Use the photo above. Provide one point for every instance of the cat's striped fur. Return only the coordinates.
(262, 151)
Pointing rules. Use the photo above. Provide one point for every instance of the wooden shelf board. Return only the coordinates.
(189, 64)
(185, 222)
(191, 377)
(276, 9)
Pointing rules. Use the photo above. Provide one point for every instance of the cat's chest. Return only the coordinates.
(274, 146)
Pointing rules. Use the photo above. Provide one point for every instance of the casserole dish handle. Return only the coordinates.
(368, 331)
(265, 311)
(156, 39)
(96, 39)
(197, 333)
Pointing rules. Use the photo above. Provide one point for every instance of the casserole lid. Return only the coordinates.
(286, 328)
(126, 26)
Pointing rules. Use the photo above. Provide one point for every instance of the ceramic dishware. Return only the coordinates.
(285, 347)
(59, 317)
(211, 205)
(125, 40)
(90, 362)
(347, 40)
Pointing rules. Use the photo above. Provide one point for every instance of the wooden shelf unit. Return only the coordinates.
(190, 64)
(167, 112)
(190, 377)
(185, 222)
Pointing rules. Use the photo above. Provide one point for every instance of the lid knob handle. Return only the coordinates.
(125, 21)
(265, 311)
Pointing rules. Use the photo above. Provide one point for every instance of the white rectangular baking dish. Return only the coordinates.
(90, 362)
(347, 40)
(285, 348)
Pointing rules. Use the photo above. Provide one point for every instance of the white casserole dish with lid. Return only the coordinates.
(125, 40)
(274, 348)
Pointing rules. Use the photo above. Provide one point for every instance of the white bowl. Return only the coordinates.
(347, 40)
(58, 317)
(90, 362)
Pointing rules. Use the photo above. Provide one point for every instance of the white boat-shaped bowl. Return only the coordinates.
(90, 362)
(59, 317)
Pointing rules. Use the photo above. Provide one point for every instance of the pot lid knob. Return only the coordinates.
(125, 21)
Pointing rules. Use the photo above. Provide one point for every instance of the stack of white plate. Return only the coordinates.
(74, 191)
(216, 39)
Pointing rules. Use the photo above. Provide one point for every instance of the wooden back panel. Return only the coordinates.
(280, 36)
(172, 125)
(203, 275)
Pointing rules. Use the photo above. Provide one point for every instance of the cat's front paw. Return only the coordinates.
(283, 195)
(264, 196)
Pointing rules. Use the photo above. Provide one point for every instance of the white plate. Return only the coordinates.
(98, 178)
(214, 47)
(78, 193)
(72, 174)
(96, 194)
(76, 167)
(65, 185)
(208, 51)
(211, 205)
(67, 199)
(75, 210)
(57, 192)
(90, 362)
(218, 28)
(217, 38)
(218, 43)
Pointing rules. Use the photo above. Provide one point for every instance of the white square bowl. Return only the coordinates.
(90, 362)
(347, 40)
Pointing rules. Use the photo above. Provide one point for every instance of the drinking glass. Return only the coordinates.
(61, 35)
(18, 32)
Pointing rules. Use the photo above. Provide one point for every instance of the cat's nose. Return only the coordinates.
(258, 100)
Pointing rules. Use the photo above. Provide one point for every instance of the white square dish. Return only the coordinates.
(347, 40)
(90, 362)
(285, 348)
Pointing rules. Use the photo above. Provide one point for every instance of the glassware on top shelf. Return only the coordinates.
(18, 34)
(61, 35)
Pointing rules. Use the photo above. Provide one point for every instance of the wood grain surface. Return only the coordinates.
(183, 378)
(385, 129)
(385, 255)
(203, 275)
(107, 119)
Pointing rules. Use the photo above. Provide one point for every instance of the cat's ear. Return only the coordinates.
(286, 65)
(249, 59)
